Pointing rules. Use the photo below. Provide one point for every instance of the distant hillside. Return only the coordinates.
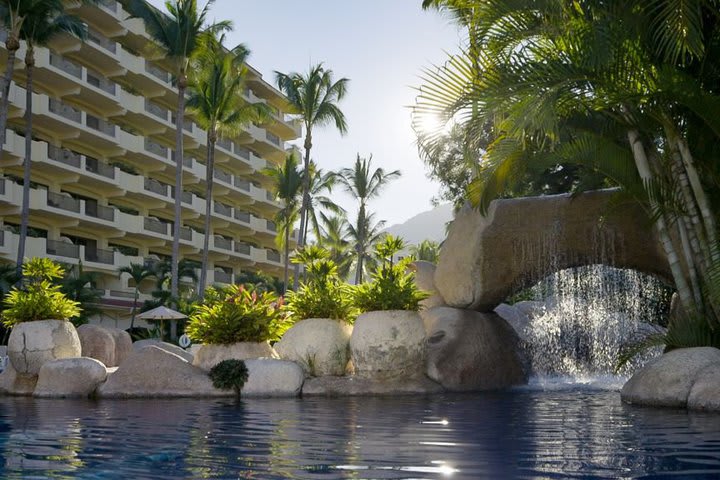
(428, 225)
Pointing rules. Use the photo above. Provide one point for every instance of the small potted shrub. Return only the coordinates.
(236, 322)
(229, 374)
(39, 313)
(388, 336)
(322, 310)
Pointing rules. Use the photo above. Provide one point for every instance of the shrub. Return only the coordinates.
(391, 288)
(237, 314)
(323, 295)
(229, 374)
(38, 298)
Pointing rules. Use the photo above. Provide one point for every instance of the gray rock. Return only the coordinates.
(354, 386)
(668, 380)
(487, 257)
(14, 383)
(123, 344)
(31, 344)
(517, 319)
(318, 345)
(207, 356)
(98, 343)
(168, 347)
(388, 344)
(425, 280)
(705, 392)
(269, 377)
(70, 377)
(154, 372)
(469, 351)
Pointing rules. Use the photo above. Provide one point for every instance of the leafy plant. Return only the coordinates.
(392, 288)
(39, 298)
(323, 295)
(237, 314)
(229, 374)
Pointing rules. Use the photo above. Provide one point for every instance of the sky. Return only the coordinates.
(382, 47)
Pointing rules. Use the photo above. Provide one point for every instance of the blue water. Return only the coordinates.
(569, 432)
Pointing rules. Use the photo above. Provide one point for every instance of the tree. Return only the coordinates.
(364, 235)
(334, 238)
(314, 98)
(138, 272)
(629, 89)
(79, 286)
(426, 250)
(364, 186)
(216, 100)
(287, 184)
(40, 25)
(320, 183)
(179, 37)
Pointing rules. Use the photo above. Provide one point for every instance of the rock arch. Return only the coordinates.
(522, 240)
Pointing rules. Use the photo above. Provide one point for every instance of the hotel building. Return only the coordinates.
(103, 167)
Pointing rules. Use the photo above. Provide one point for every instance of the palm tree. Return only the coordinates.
(79, 285)
(219, 108)
(364, 186)
(321, 185)
(314, 97)
(138, 272)
(179, 36)
(38, 29)
(287, 182)
(364, 235)
(334, 238)
(426, 250)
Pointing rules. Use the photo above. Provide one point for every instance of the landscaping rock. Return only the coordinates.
(424, 279)
(96, 342)
(208, 356)
(168, 347)
(31, 344)
(14, 383)
(514, 316)
(388, 344)
(70, 377)
(344, 386)
(269, 377)
(318, 345)
(519, 241)
(123, 344)
(705, 392)
(469, 351)
(152, 371)
(667, 381)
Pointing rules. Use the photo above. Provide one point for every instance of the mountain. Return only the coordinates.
(428, 225)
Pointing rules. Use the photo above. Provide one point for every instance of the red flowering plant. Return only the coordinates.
(237, 314)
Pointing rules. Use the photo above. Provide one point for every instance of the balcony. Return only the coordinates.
(222, 209)
(272, 138)
(273, 256)
(65, 65)
(223, 176)
(63, 201)
(271, 226)
(157, 72)
(242, 248)
(186, 233)
(157, 110)
(92, 209)
(152, 185)
(62, 249)
(66, 111)
(222, 242)
(100, 125)
(92, 165)
(154, 147)
(98, 255)
(64, 156)
(155, 225)
(222, 276)
(242, 216)
(242, 184)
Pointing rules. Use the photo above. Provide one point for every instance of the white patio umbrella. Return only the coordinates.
(163, 313)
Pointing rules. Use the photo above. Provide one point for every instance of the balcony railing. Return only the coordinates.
(110, 5)
(187, 123)
(98, 39)
(100, 256)
(152, 185)
(271, 226)
(270, 196)
(187, 197)
(100, 125)
(223, 277)
(274, 139)
(2, 238)
(222, 242)
(242, 248)
(63, 155)
(222, 175)
(155, 225)
(157, 110)
(242, 184)
(62, 249)
(186, 233)
(92, 209)
(242, 152)
(154, 147)
(242, 216)
(157, 72)
(222, 209)
(273, 256)
(225, 143)
(66, 111)
(64, 202)
(2, 186)
(99, 168)
(65, 65)
(96, 80)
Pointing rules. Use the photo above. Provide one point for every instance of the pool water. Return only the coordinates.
(570, 432)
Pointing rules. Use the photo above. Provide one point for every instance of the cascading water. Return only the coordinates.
(576, 320)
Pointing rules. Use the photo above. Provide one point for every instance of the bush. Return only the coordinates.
(392, 288)
(38, 298)
(229, 374)
(237, 314)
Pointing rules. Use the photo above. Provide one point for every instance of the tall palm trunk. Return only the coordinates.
(209, 174)
(137, 295)
(25, 212)
(179, 125)
(304, 204)
(12, 45)
(286, 273)
(360, 244)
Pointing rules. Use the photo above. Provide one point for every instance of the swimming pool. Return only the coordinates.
(573, 432)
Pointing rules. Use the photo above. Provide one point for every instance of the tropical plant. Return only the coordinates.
(259, 282)
(314, 98)
(426, 250)
(138, 272)
(240, 315)
(229, 374)
(323, 294)
(79, 285)
(38, 298)
(391, 288)
(179, 35)
(321, 185)
(216, 86)
(388, 248)
(363, 185)
(43, 21)
(363, 238)
(287, 183)
(627, 89)
(334, 238)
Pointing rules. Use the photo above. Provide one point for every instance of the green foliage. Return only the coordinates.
(427, 250)
(39, 298)
(259, 281)
(324, 294)
(78, 285)
(229, 374)
(392, 288)
(389, 247)
(237, 314)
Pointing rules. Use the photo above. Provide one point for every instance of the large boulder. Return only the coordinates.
(123, 344)
(705, 392)
(425, 281)
(14, 383)
(519, 241)
(168, 347)
(70, 377)
(154, 372)
(31, 344)
(207, 356)
(269, 377)
(96, 342)
(516, 318)
(319, 345)
(388, 344)
(352, 385)
(469, 350)
(668, 380)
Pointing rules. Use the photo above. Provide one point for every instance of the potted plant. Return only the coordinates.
(235, 322)
(388, 336)
(39, 313)
(322, 311)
